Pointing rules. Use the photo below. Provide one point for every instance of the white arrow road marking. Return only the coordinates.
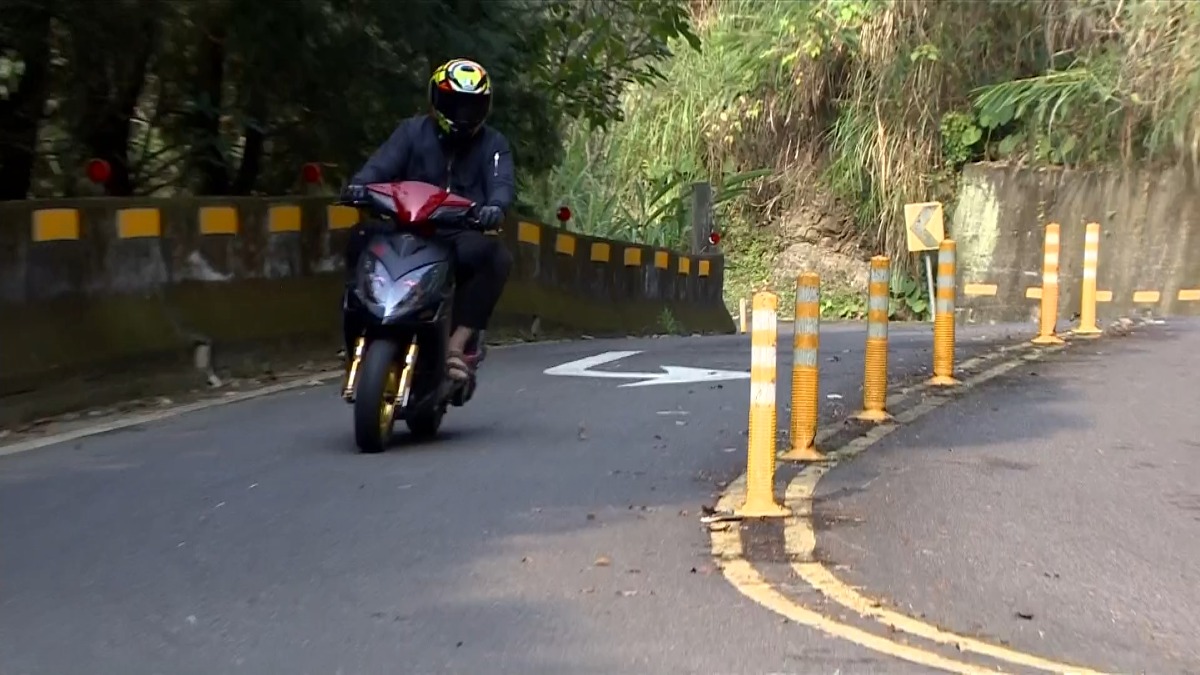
(672, 374)
(581, 367)
(682, 375)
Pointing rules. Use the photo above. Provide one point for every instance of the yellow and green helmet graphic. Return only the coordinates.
(462, 75)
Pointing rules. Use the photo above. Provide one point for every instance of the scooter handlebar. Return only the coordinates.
(469, 221)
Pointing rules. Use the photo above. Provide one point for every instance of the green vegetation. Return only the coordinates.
(816, 120)
(668, 324)
(220, 97)
(855, 107)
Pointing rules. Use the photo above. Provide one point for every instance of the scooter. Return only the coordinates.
(402, 298)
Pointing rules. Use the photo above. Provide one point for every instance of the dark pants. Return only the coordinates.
(481, 261)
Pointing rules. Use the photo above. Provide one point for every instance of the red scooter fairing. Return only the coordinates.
(416, 203)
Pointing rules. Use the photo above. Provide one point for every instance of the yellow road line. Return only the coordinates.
(800, 542)
(741, 574)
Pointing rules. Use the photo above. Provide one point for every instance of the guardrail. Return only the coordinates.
(98, 286)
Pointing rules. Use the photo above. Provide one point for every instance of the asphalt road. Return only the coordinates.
(552, 529)
(1056, 510)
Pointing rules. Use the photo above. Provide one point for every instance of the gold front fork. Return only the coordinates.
(352, 373)
(406, 375)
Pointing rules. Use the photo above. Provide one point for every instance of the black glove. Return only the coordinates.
(354, 194)
(490, 217)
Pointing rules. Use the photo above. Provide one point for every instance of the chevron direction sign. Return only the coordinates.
(924, 226)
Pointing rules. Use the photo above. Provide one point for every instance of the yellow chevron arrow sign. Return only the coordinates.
(924, 226)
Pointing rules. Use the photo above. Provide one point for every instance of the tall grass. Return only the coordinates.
(704, 122)
(863, 105)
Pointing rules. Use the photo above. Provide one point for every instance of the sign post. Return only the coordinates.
(926, 229)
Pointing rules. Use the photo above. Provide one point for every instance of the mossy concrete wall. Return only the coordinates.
(91, 287)
(1149, 258)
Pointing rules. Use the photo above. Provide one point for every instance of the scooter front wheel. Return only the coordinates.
(375, 400)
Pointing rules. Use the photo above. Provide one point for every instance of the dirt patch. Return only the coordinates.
(847, 272)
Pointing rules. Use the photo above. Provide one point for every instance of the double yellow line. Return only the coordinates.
(800, 541)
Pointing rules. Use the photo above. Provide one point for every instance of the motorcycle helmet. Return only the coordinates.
(460, 98)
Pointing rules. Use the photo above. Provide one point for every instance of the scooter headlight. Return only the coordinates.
(404, 294)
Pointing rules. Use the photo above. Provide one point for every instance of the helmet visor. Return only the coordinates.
(465, 111)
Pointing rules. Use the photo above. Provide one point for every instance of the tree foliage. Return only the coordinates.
(857, 107)
(231, 97)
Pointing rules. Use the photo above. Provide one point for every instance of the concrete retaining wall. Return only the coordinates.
(1149, 242)
(96, 286)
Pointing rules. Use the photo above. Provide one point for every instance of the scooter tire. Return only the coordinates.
(424, 426)
(372, 433)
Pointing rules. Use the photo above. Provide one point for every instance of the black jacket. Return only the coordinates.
(481, 171)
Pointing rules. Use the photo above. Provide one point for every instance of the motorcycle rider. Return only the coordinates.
(453, 148)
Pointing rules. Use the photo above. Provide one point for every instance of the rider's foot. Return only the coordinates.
(458, 366)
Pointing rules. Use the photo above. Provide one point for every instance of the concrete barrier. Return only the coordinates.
(1149, 258)
(92, 287)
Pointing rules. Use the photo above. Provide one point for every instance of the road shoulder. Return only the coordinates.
(781, 565)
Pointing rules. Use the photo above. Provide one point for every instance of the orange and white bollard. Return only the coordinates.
(876, 360)
(1049, 312)
(943, 322)
(760, 453)
(805, 347)
(1091, 261)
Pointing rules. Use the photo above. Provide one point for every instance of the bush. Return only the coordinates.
(881, 103)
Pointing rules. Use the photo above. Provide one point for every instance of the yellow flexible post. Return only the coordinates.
(805, 370)
(1091, 260)
(760, 453)
(943, 322)
(875, 363)
(1049, 313)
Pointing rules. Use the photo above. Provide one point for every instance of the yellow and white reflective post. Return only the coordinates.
(805, 373)
(875, 363)
(1091, 261)
(943, 322)
(760, 452)
(1049, 311)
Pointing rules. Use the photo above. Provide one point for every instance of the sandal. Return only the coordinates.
(459, 369)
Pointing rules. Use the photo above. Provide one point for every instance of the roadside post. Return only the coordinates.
(943, 322)
(805, 371)
(876, 360)
(1048, 319)
(760, 451)
(1091, 260)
